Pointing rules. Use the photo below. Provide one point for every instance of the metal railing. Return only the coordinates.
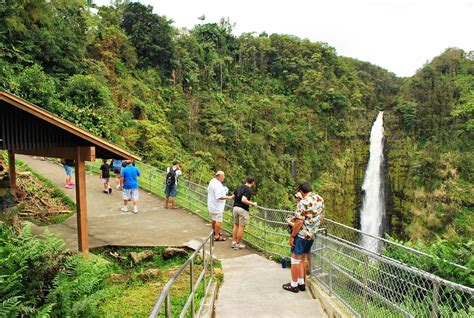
(371, 285)
(204, 279)
(267, 232)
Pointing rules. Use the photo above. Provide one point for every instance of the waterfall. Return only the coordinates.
(373, 207)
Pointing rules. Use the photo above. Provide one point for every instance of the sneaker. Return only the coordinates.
(110, 190)
(302, 287)
(233, 245)
(290, 288)
(135, 210)
(72, 184)
(124, 209)
(117, 187)
(105, 191)
(240, 246)
(68, 186)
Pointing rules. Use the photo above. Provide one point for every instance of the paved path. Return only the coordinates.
(252, 284)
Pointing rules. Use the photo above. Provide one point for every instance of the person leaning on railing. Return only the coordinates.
(305, 223)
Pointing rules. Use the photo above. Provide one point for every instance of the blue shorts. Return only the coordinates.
(171, 190)
(302, 246)
(68, 170)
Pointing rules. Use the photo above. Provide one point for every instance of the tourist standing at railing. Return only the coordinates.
(216, 197)
(308, 218)
(240, 211)
(171, 183)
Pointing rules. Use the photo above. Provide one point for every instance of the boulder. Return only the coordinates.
(117, 279)
(149, 274)
(171, 252)
(138, 257)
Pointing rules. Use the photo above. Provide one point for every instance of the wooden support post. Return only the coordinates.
(12, 172)
(81, 203)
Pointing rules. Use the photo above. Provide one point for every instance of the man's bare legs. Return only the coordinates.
(166, 202)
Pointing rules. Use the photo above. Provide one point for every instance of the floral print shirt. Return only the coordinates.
(311, 210)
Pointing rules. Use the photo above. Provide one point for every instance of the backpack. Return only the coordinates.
(171, 177)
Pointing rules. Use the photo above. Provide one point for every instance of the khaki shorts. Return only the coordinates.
(241, 216)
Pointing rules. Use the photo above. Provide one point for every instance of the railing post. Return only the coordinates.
(434, 304)
(167, 306)
(204, 266)
(265, 239)
(366, 286)
(191, 285)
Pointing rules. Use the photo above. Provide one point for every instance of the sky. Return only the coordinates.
(398, 35)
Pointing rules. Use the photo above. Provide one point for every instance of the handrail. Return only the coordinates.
(165, 293)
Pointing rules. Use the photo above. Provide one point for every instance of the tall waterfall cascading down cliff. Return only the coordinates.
(373, 207)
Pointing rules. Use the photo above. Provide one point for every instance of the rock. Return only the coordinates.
(117, 279)
(138, 257)
(149, 274)
(171, 252)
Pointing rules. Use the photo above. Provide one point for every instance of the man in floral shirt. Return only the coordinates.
(306, 222)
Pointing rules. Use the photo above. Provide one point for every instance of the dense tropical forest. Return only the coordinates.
(275, 106)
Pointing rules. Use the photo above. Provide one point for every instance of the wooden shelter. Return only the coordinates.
(28, 129)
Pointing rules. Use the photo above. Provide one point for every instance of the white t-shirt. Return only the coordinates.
(178, 173)
(215, 190)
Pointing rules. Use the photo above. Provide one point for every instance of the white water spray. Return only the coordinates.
(373, 207)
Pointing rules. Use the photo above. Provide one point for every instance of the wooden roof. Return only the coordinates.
(29, 129)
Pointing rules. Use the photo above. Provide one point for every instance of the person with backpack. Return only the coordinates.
(171, 183)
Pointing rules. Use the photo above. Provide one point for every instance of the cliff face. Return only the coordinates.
(341, 182)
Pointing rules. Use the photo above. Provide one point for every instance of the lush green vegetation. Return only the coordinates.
(39, 278)
(281, 108)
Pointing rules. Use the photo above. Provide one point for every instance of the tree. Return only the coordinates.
(151, 35)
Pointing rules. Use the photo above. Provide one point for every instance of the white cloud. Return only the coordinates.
(399, 35)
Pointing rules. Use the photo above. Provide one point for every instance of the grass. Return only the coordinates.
(133, 297)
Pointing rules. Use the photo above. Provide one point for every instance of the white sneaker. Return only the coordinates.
(124, 209)
(240, 246)
(135, 210)
(117, 187)
(234, 245)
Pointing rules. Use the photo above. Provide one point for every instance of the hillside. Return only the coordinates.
(275, 106)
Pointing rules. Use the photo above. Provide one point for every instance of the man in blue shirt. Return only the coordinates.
(129, 183)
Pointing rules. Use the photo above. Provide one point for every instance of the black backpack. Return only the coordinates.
(171, 177)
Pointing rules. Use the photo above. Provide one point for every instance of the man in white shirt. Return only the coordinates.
(171, 183)
(216, 196)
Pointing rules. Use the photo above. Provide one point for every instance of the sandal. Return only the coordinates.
(290, 288)
(220, 239)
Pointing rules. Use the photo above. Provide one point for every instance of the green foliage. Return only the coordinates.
(458, 250)
(408, 113)
(86, 91)
(150, 34)
(28, 268)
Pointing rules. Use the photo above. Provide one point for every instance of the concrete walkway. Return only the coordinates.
(252, 284)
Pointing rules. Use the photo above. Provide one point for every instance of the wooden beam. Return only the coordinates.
(86, 153)
(12, 172)
(81, 202)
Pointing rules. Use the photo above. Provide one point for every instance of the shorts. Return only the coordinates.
(302, 246)
(241, 216)
(68, 170)
(171, 190)
(217, 217)
(128, 194)
(117, 170)
(105, 180)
